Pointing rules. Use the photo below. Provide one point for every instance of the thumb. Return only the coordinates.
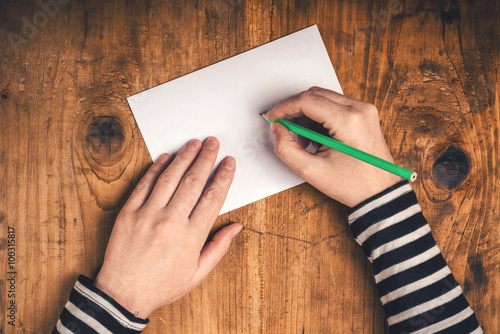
(215, 249)
(288, 150)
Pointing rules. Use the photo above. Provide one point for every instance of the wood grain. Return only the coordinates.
(70, 151)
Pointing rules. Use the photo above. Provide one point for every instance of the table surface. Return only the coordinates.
(70, 151)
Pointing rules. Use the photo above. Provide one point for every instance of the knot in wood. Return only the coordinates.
(4, 94)
(105, 143)
(450, 169)
(104, 139)
(105, 146)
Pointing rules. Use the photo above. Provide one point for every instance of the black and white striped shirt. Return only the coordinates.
(89, 310)
(415, 285)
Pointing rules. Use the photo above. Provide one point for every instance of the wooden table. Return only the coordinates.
(70, 151)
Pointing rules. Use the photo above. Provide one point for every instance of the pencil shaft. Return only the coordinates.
(344, 148)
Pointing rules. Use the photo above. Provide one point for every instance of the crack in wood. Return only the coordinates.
(296, 239)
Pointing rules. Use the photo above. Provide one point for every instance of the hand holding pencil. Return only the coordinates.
(355, 123)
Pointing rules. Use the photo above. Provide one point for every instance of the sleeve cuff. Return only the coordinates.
(376, 197)
(90, 309)
(394, 213)
(109, 303)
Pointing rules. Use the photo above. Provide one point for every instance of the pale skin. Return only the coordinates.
(158, 252)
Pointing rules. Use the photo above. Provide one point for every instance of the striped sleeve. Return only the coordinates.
(415, 285)
(89, 310)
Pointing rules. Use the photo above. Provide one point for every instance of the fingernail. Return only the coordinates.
(236, 231)
(163, 158)
(211, 143)
(193, 145)
(229, 163)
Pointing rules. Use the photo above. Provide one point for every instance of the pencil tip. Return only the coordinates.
(264, 114)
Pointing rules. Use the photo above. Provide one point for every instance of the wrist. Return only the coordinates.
(375, 187)
(118, 292)
(368, 203)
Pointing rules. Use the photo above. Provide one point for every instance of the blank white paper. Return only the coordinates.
(224, 100)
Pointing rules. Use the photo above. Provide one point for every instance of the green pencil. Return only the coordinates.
(339, 146)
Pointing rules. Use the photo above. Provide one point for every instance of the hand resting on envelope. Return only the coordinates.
(157, 251)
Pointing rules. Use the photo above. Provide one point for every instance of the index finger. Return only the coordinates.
(334, 96)
(210, 204)
(314, 106)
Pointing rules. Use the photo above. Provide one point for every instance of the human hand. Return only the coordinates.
(157, 251)
(355, 123)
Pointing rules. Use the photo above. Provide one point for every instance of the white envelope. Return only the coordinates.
(224, 100)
